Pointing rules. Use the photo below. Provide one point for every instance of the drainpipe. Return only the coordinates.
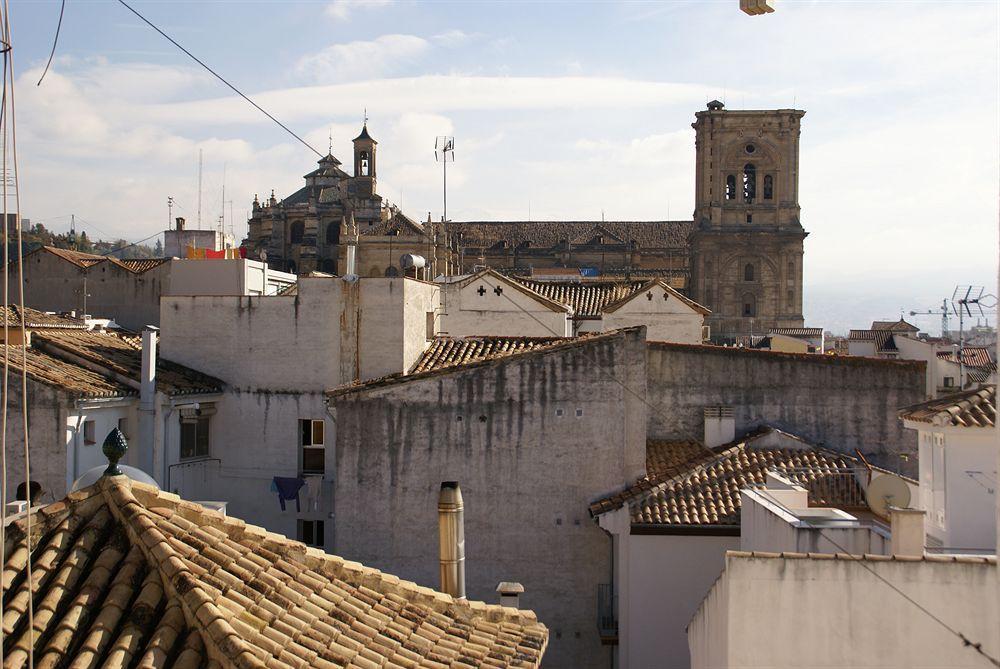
(147, 400)
(451, 530)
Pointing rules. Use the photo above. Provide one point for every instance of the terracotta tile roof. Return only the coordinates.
(545, 234)
(587, 298)
(664, 459)
(706, 489)
(658, 284)
(972, 356)
(141, 265)
(516, 284)
(78, 258)
(884, 342)
(868, 557)
(895, 326)
(39, 319)
(797, 332)
(398, 224)
(122, 354)
(971, 408)
(68, 377)
(128, 576)
(451, 351)
(86, 260)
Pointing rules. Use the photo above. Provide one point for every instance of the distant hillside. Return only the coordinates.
(38, 235)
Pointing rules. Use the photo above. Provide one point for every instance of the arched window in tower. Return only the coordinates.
(295, 235)
(768, 187)
(731, 187)
(749, 305)
(333, 232)
(364, 161)
(748, 272)
(749, 183)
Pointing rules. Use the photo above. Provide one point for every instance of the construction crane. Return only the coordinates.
(933, 312)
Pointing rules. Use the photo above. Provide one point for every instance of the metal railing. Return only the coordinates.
(833, 488)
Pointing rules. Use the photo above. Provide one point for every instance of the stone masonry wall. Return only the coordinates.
(840, 402)
(532, 439)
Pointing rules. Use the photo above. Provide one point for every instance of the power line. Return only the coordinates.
(55, 41)
(220, 77)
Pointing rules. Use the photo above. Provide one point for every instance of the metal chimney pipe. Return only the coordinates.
(451, 529)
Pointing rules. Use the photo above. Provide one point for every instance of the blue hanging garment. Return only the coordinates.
(287, 489)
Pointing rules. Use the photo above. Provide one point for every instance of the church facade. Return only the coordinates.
(741, 254)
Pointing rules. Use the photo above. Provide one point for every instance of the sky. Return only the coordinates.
(559, 110)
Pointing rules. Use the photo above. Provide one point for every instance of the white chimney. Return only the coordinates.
(510, 594)
(720, 426)
(907, 531)
(147, 399)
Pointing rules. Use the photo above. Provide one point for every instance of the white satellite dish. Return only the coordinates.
(885, 491)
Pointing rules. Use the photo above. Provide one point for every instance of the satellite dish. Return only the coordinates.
(90, 477)
(885, 491)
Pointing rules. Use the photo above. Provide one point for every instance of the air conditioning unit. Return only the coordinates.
(706, 332)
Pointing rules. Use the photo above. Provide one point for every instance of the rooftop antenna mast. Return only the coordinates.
(199, 189)
(964, 301)
(222, 217)
(944, 316)
(170, 211)
(444, 153)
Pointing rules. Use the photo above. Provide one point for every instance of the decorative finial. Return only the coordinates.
(366, 116)
(114, 450)
(329, 150)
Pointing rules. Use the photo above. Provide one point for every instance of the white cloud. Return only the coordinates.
(341, 10)
(362, 59)
(455, 38)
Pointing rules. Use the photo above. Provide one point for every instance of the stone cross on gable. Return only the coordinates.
(481, 291)
(649, 296)
(498, 290)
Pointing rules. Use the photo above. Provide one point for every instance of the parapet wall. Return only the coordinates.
(843, 403)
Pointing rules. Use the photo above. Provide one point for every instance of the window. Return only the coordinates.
(194, 437)
(749, 305)
(949, 382)
(123, 426)
(750, 148)
(731, 187)
(749, 183)
(89, 433)
(333, 232)
(748, 272)
(298, 229)
(311, 533)
(749, 218)
(311, 439)
(363, 164)
(768, 187)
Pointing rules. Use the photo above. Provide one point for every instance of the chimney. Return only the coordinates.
(147, 398)
(180, 222)
(510, 594)
(720, 426)
(451, 531)
(907, 531)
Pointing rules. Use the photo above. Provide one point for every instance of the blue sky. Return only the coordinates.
(569, 108)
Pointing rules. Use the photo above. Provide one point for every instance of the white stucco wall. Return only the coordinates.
(236, 276)
(668, 319)
(803, 613)
(81, 456)
(512, 313)
(668, 577)
(966, 501)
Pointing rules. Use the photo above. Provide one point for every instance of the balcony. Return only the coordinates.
(607, 614)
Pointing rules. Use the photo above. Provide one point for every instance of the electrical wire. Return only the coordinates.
(55, 41)
(976, 646)
(12, 122)
(220, 77)
(860, 560)
(6, 343)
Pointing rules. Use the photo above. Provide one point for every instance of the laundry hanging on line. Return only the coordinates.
(287, 489)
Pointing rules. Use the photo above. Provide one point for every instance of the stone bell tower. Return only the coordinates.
(747, 241)
(364, 163)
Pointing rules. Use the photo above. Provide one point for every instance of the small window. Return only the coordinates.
(194, 437)
(749, 218)
(333, 232)
(949, 382)
(559, 412)
(768, 187)
(731, 187)
(312, 440)
(430, 326)
(748, 272)
(312, 533)
(123, 426)
(579, 412)
(750, 148)
(749, 306)
(89, 433)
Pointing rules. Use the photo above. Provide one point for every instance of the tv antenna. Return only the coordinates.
(965, 301)
(444, 153)
(170, 211)
(944, 311)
